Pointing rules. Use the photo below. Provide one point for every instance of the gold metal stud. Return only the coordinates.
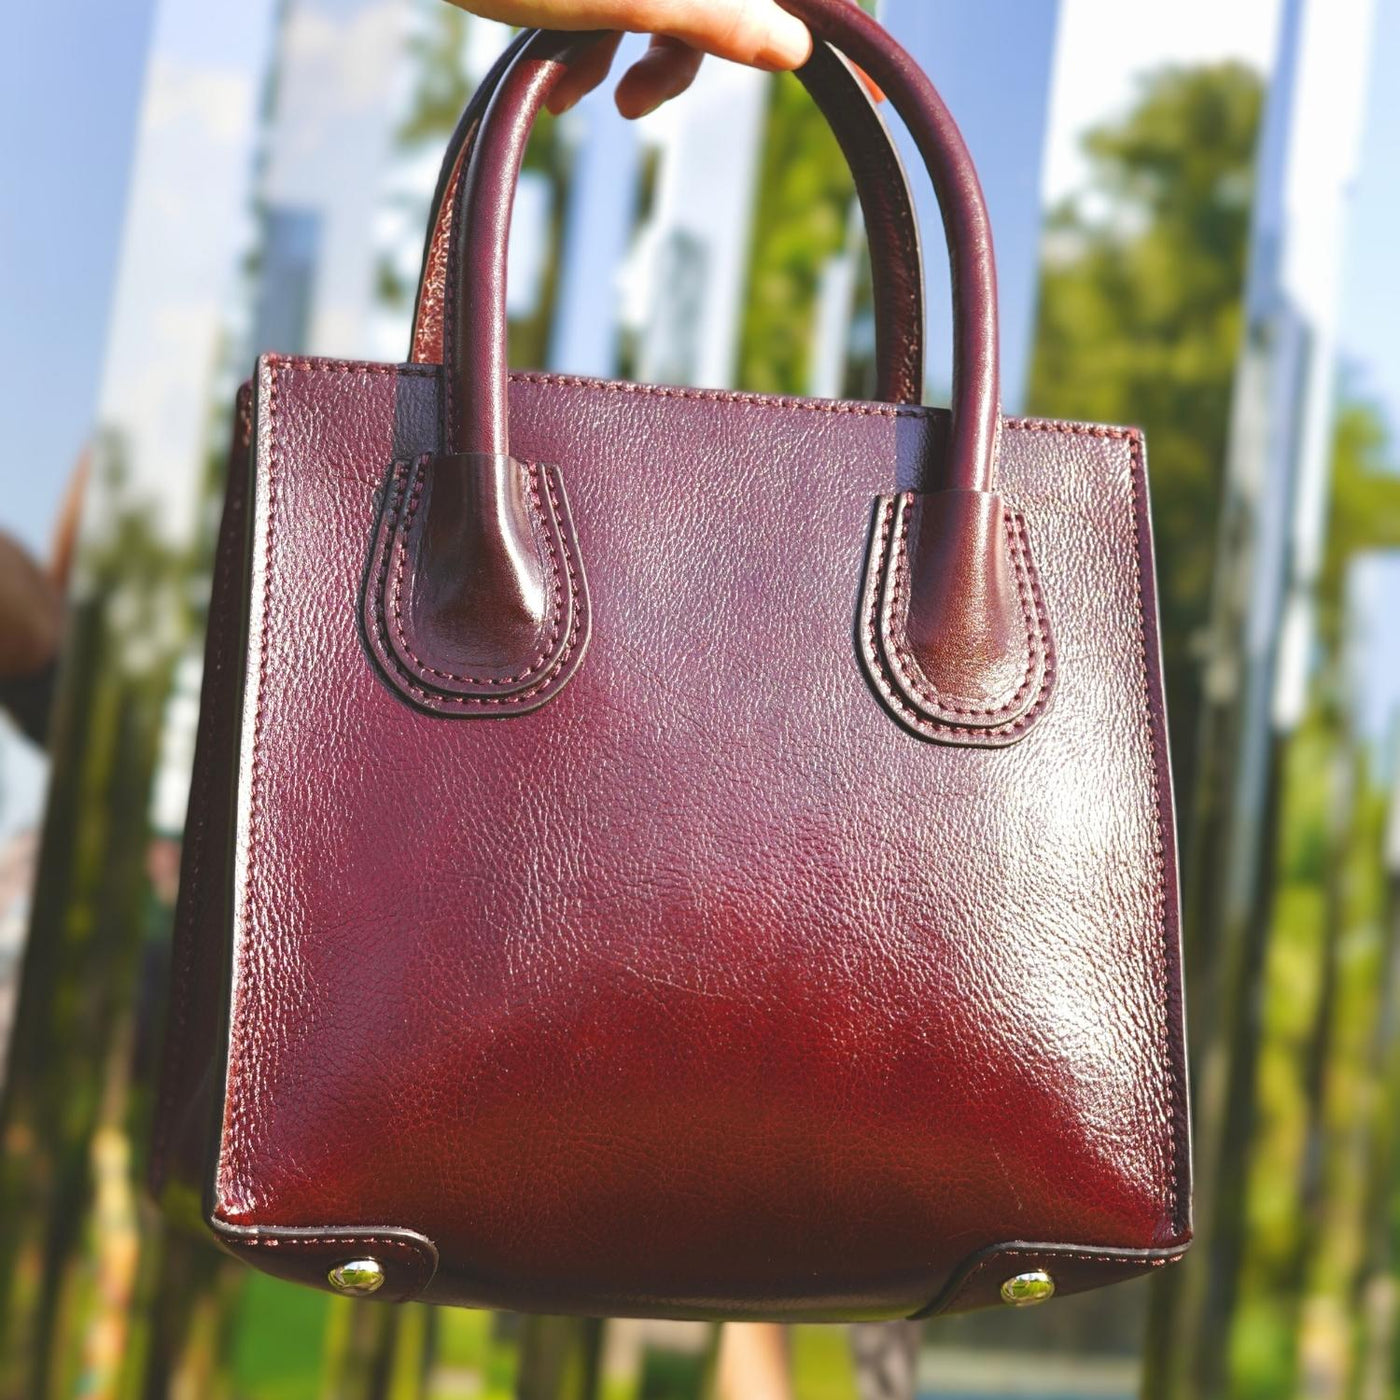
(1026, 1290)
(357, 1278)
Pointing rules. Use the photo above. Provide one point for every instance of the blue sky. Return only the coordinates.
(1371, 296)
(61, 205)
(1370, 314)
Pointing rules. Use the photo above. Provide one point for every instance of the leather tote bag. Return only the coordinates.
(660, 851)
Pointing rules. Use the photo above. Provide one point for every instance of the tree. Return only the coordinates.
(441, 91)
(1313, 1200)
(1141, 315)
(805, 191)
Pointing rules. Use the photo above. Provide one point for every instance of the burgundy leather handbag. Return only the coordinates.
(660, 851)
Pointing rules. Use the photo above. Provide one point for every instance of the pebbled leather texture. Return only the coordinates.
(882, 187)
(954, 628)
(193, 1058)
(475, 599)
(425, 345)
(705, 989)
(1073, 1270)
(812, 953)
(972, 642)
(409, 1260)
(474, 340)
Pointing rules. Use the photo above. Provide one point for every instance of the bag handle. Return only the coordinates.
(489, 600)
(475, 399)
(425, 343)
(881, 186)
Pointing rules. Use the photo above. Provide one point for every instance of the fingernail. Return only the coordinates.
(650, 107)
(655, 63)
(789, 43)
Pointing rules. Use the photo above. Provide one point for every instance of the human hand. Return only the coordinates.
(756, 32)
(32, 607)
(31, 612)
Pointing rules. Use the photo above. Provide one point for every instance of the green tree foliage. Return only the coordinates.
(804, 197)
(1141, 321)
(1322, 1159)
(1140, 314)
(442, 89)
(1365, 506)
(440, 94)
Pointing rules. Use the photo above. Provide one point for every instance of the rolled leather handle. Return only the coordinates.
(425, 344)
(881, 185)
(475, 410)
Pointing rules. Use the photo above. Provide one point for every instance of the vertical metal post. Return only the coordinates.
(1270, 535)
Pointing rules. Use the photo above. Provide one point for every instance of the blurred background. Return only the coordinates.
(1197, 214)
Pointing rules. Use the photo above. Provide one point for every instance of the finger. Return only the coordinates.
(31, 612)
(757, 32)
(584, 74)
(665, 71)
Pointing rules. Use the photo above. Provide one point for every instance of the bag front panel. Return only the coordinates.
(707, 987)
